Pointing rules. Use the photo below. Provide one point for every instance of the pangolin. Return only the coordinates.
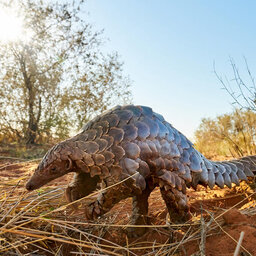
(135, 145)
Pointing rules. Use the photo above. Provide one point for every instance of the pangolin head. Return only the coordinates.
(54, 164)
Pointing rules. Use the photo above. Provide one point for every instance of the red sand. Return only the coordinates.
(218, 242)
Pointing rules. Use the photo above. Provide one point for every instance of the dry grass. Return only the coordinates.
(42, 223)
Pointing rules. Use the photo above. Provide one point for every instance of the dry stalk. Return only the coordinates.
(239, 244)
(26, 221)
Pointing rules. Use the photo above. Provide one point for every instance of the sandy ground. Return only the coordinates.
(219, 241)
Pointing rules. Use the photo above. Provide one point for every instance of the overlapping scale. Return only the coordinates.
(137, 111)
(99, 159)
(195, 162)
(82, 166)
(159, 117)
(162, 129)
(174, 151)
(112, 119)
(103, 124)
(211, 179)
(131, 166)
(117, 134)
(118, 152)
(241, 175)
(104, 172)
(144, 169)
(170, 135)
(147, 111)
(140, 181)
(153, 126)
(91, 147)
(145, 151)
(99, 132)
(185, 157)
(102, 144)
(184, 142)
(91, 134)
(177, 138)
(124, 116)
(168, 177)
(234, 178)
(108, 155)
(227, 179)
(95, 170)
(115, 170)
(165, 148)
(130, 132)
(152, 146)
(187, 175)
(219, 180)
(132, 150)
(143, 130)
(109, 139)
(87, 158)
(204, 174)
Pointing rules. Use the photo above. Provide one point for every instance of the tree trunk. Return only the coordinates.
(32, 124)
(32, 128)
(31, 134)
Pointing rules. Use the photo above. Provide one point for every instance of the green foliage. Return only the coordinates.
(60, 78)
(23, 152)
(228, 135)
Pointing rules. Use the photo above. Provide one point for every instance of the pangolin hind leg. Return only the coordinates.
(82, 185)
(177, 204)
(140, 212)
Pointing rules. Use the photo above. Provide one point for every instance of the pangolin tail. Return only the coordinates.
(225, 172)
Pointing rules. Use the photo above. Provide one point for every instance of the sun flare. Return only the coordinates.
(12, 27)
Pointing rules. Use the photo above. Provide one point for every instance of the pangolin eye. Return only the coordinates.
(53, 169)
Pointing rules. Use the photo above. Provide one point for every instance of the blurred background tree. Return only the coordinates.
(229, 135)
(54, 76)
(232, 135)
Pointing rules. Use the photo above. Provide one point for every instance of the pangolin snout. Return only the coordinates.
(29, 186)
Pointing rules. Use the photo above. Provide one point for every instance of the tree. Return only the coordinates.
(58, 78)
(241, 89)
(232, 134)
(229, 135)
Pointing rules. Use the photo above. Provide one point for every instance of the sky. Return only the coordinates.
(169, 49)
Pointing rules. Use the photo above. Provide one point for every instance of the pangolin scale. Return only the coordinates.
(134, 144)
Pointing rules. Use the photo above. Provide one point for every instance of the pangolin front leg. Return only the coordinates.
(82, 185)
(107, 198)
